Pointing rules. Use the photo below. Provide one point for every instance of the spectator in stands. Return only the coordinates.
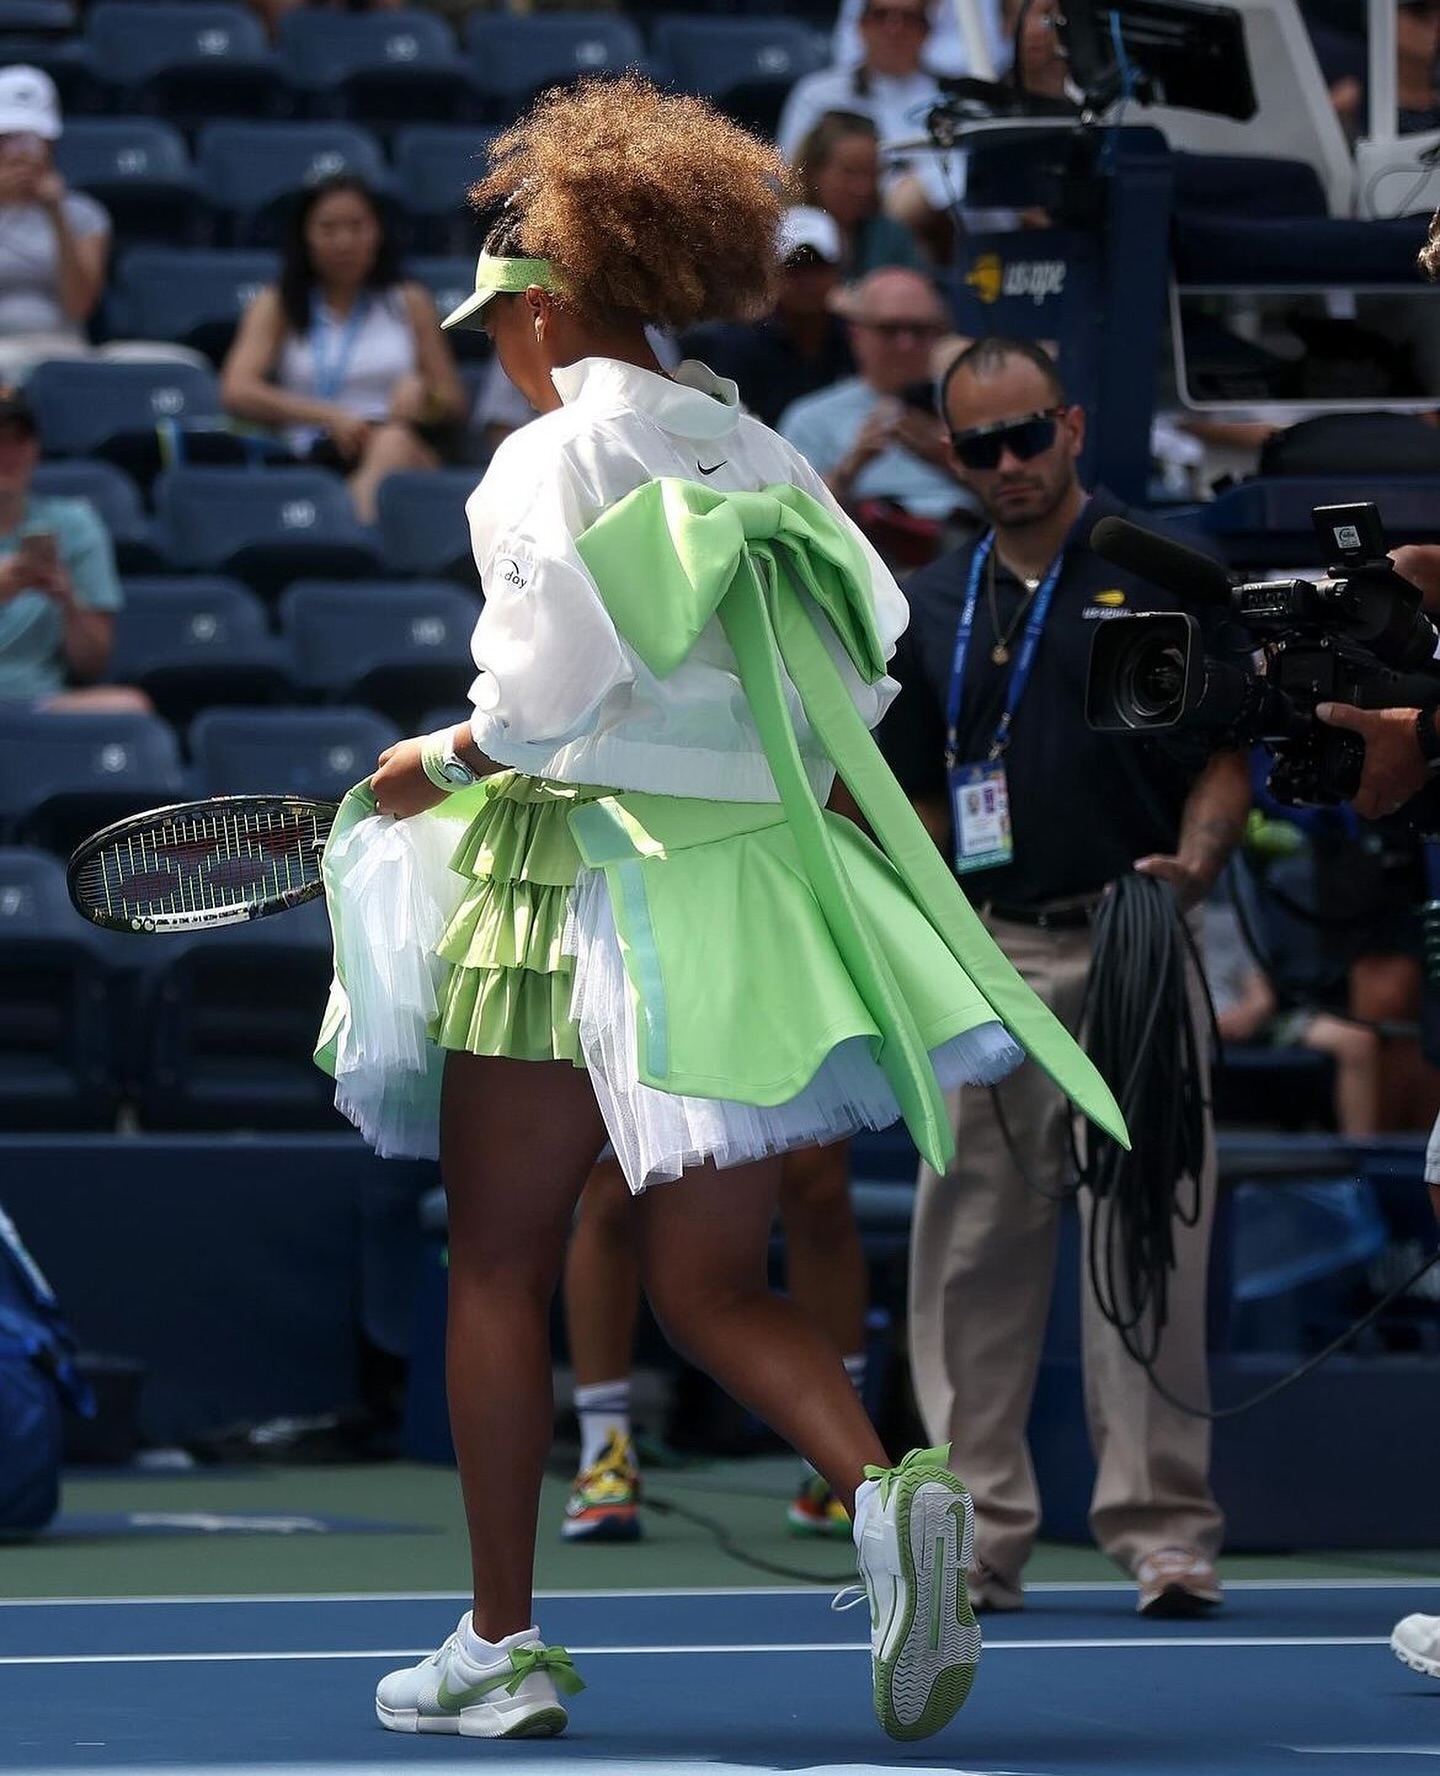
(1417, 100)
(876, 437)
(825, 1270)
(803, 345)
(1248, 1012)
(58, 587)
(947, 50)
(1084, 809)
(54, 242)
(343, 354)
(836, 168)
(893, 88)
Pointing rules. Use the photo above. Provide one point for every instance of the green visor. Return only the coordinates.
(496, 275)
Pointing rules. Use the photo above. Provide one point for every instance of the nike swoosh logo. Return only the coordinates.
(452, 1701)
(711, 470)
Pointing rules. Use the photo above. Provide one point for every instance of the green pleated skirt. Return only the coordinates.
(507, 989)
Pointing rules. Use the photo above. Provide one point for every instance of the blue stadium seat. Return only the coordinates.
(209, 59)
(67, 61)
(194, 298)
(450, 278)
(307, 752)
(140, 169)
(63, 777)
(421, 520)
(193, 641)
(225, 1027)
(58, 1050)
(50, 20)
(746, 66)
(264, 526)
(250, 172)
(515, 57)
(435, 165)
(382, 68)
(399, 646)
(117, 499)
(142, 417)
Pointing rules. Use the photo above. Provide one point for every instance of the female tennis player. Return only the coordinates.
(655, 936)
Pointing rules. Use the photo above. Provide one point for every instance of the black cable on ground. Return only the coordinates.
(729, 1546)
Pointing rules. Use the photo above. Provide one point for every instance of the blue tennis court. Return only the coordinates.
(1289, 1677)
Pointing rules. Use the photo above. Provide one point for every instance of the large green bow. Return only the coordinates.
(554, 1661)
(672, 555)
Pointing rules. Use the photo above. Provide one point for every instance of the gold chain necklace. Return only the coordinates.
(1000, 653)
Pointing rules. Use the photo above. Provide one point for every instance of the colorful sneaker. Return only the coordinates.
(1416, 1643)
(604, 1505)
(815, 1511)
(914, 1540)
(516, 1697)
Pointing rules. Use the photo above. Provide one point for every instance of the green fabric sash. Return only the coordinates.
(674, 554)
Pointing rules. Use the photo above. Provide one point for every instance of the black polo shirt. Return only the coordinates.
(762, 360)
(1083, 806)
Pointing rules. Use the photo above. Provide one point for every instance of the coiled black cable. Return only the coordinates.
(1141, 1035)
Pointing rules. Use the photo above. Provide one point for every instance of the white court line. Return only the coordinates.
(1038, 1588)
(1107, 1644)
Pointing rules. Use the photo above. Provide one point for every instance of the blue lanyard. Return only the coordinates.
(1019, 676)
(330, 366)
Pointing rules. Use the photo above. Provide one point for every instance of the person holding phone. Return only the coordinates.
(59, 590)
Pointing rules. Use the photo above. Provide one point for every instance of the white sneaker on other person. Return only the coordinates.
(1416, 1643)
(513, 1696)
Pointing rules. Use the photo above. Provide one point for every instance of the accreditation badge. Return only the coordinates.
(980, 808)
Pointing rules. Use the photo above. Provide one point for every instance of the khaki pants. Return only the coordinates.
(981, 1270)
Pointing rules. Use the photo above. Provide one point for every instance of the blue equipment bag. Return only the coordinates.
(38, 1378)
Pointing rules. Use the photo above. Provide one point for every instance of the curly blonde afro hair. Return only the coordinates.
(647, 204)
(1429, 256)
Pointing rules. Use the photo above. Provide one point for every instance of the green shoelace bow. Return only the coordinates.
(939, 1457)
(554, 1661)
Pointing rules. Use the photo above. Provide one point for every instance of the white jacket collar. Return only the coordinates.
(695, 403)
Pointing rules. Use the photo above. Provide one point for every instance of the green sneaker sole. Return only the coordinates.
(923, 1683)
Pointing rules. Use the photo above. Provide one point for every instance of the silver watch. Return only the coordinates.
(454, 769)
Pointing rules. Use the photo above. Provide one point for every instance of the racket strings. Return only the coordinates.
(207, 862)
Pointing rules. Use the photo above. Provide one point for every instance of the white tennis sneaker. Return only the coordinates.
(1416, 1643)
(914, 1541)
(515, 1697)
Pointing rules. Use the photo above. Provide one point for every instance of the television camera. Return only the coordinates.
(1356, 636)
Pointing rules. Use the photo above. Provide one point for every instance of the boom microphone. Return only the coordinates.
(1193, 578)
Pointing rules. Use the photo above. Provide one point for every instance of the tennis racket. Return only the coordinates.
(196, 864)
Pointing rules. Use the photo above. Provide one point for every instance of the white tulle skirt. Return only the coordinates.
(393, 894)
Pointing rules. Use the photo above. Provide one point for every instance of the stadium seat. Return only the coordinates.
(264, 526)
(450, 278)
(250, 172)
(57, 1036)
(62, 778)
(307, 752)
(225, 1027)
(208, 59)
(49, 20)
(66, 60)
(421, 520)
(142, 417)
(194, 298)
(382, 68)
(746, 66)
(191, 642)
(140, 169)
(435, 165)
(398, 646)
(117, 499)
(515, 57)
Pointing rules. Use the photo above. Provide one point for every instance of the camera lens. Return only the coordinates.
(1150, 684)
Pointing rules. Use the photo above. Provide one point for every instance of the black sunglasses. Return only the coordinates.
(982, 446)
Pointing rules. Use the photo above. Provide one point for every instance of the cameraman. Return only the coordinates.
(1039, 814)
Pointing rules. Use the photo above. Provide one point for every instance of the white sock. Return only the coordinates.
(487, 1652)
(603, 1410)
(855, 1369)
